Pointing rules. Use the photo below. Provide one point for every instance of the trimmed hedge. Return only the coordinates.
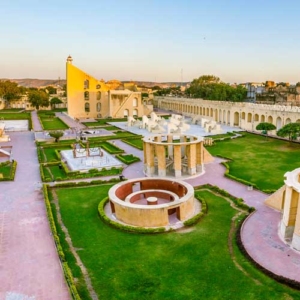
(195, 219)
(239, 202)
(128, 228)
(67, 272)
(73, 175)
(13, 169)
(127, 159)
(86, 183)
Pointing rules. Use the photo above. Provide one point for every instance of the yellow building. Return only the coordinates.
(89, 97)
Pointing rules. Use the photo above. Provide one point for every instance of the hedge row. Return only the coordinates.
(281, 279)
(86, 183)
(67, 272)
(117, 225)
(127, 159)
(239, 202)
(113, 137)
(195, 219)
(71, 175)
(13, 169)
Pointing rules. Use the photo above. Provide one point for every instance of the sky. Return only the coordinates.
(152, 40)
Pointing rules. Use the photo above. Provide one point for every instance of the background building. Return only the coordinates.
(88, 97)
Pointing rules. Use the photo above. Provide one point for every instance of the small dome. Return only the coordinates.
(69, 58)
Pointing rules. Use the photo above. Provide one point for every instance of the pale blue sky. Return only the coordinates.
(153, 40)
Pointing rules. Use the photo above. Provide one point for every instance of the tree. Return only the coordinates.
(65, 90)
(38, 98)
(210, 87)
(292, 130)
(56, 134)
(265, 127)
(10, 90)
(54, 101)
(51, 90)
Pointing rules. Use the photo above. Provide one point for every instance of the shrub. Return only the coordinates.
(68, 275)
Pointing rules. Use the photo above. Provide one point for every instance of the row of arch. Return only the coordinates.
(246, 120)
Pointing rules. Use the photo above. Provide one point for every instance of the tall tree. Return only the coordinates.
(210, 87)
(10, 90)
(292, 130)
(51, 90)
(38, 98)
(54, 101)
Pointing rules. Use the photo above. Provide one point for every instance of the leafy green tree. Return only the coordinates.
(210, 87)
(56, 134)
(38, 98)
(265, 127)
(65, 90)
(51, 90)
(54, 101)
(10, 90)
(292, 130)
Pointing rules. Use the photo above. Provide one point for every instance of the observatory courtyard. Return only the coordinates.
(153, 190)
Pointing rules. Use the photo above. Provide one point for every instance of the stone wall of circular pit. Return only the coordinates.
(180, 159)
(148, 202)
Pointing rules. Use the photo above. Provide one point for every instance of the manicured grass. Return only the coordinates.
(103, 122)
(135, 142)
(127, 158)
(5, 169)
(53, 124)
(109, 147)
(114, 136)
(56, 172)
(15, 116)
(50, 121)
(11, 110)
(190, 265)
(50, 153)
(220, 136)
(259, 160)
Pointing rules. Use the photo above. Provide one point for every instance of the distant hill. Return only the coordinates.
(30, 82)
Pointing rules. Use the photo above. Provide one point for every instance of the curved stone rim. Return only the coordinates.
(150, 139)
(112, 194)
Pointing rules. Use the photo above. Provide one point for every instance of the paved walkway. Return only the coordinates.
(36, 125)
(29, 264)
(69, 121)
(259, 232)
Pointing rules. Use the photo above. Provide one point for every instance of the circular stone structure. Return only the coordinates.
(148, 202)
(173, 155)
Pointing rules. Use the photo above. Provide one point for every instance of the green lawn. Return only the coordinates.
(15, 115)
(53, 124)
(137, 143)
(127, 158)
(188, 265)
(5, 169)
(220, 136)
(50, 121)
(103, 122)
(50, 153)
(260, 160)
